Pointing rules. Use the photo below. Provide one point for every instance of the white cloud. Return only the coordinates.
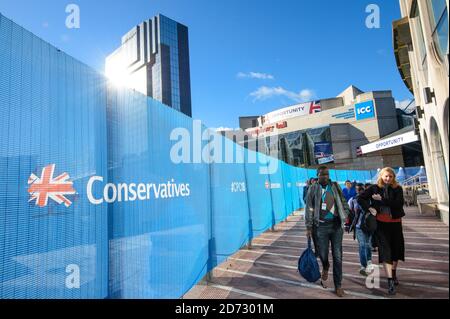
(404, 104)
(255, 75)
(307, 94)
(264, 93)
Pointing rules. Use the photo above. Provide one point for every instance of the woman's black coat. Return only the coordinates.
(393, 199)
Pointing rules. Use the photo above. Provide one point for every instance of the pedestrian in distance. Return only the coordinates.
(385, 200)
(325, 215)
(312, 181)
(360, 233)
(306, 187)
(349, 191)
(374, 236)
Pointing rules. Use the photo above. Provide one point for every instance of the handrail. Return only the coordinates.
(413, 187)
(415, 180)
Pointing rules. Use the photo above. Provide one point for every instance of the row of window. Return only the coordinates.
(171, 41)
(295, 148)
(439, 25)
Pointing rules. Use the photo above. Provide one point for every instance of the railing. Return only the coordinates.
(416, 180)
(413, 187)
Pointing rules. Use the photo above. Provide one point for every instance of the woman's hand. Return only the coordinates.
(373, 211)
(377, 197)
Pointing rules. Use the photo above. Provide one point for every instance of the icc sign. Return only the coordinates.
(365, 110)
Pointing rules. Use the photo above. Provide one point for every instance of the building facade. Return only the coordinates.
(421, 50)
(338, 132)
(153, 59)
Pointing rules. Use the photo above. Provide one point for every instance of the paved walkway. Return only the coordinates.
(269, 269)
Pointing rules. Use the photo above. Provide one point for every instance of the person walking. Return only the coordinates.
(385, 200)
(305, 188)
(325, 215)
(374, 236)
(364, 238)
(349, 191)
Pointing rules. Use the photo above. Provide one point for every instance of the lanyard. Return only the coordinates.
(329, 214)
(324, 195)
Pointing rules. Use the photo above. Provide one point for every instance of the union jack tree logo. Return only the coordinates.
(315, 107)
(46, 186)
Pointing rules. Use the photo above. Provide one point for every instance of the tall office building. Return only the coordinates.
(154, 60)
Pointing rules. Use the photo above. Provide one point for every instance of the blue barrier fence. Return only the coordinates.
(137, 224)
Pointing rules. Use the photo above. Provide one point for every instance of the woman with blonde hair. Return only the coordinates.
(385, 201)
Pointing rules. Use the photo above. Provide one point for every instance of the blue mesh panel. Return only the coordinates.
(312, 173)
(278, 200)
(353, 176)
(367, 178)
(341, 176)
(374, 174)
(302, 177)
(53, 112)
(230, 207)
(259, 196)
(295, 189)
(287, 189)
(159, 245)
(360, 177)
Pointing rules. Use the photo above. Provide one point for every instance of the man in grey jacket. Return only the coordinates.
(325, 216)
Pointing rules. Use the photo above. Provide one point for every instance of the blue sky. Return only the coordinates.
(248, 57)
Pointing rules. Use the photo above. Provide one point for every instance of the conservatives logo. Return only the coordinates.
(124, 192)
(45, 187)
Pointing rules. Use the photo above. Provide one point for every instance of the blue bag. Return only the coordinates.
(308, 265)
